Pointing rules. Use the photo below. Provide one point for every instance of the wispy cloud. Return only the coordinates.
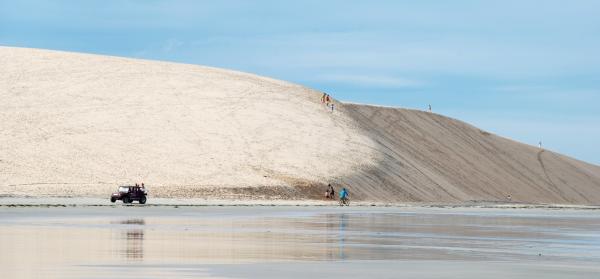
(370, 80)
(558, 94)
(171, 44)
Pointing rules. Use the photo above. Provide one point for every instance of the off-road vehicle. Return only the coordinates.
(128, 194)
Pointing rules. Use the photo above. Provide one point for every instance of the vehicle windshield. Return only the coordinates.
(123, 189)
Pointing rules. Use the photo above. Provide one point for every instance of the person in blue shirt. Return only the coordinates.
(343, 195)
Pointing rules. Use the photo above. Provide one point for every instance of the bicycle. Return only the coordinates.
(345, 201)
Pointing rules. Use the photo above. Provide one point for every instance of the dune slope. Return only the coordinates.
(78, 125)
(429, 157)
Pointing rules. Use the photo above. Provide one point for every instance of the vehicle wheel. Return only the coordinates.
(113, 200)
(126, 200)
(142, 200)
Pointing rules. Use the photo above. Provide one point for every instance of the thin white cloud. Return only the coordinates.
(478, 57)
(521, 88)
(371, 80)
(550, 93)
(171, 44)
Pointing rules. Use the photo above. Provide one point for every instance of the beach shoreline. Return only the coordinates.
(167, 202)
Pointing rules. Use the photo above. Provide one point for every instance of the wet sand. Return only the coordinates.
(297, 242)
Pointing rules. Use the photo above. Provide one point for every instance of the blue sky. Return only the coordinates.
(527, 70)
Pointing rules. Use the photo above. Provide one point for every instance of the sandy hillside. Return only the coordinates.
(429, 157)
(78, 125)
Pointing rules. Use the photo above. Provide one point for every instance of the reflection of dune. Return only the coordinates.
(70, 120)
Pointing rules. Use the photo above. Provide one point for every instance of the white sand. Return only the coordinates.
(79, 125)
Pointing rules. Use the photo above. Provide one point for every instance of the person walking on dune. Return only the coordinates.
(323, 98)
(327, 99)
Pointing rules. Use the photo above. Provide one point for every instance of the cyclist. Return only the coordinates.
(343, 196)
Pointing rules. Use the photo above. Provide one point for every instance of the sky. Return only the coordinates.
(526, 70)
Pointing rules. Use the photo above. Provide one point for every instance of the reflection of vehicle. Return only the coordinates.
(345, 201)
(128, 194)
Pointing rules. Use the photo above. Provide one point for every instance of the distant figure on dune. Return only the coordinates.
(323, 97)
(540, 144)
(328, 100)
(430, 108)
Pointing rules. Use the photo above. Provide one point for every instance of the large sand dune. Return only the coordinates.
(78, 125)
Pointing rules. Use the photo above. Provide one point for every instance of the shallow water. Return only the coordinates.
(130, 242)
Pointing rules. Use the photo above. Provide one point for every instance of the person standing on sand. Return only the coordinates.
(429, 107)
(540, 144)
(327, 99)
(323, 98)
(332, 107)
(330, 193)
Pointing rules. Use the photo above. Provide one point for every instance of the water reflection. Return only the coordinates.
(342, 234)
(133, 236)
(328, 236)
(134, 247)
(61, 242)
